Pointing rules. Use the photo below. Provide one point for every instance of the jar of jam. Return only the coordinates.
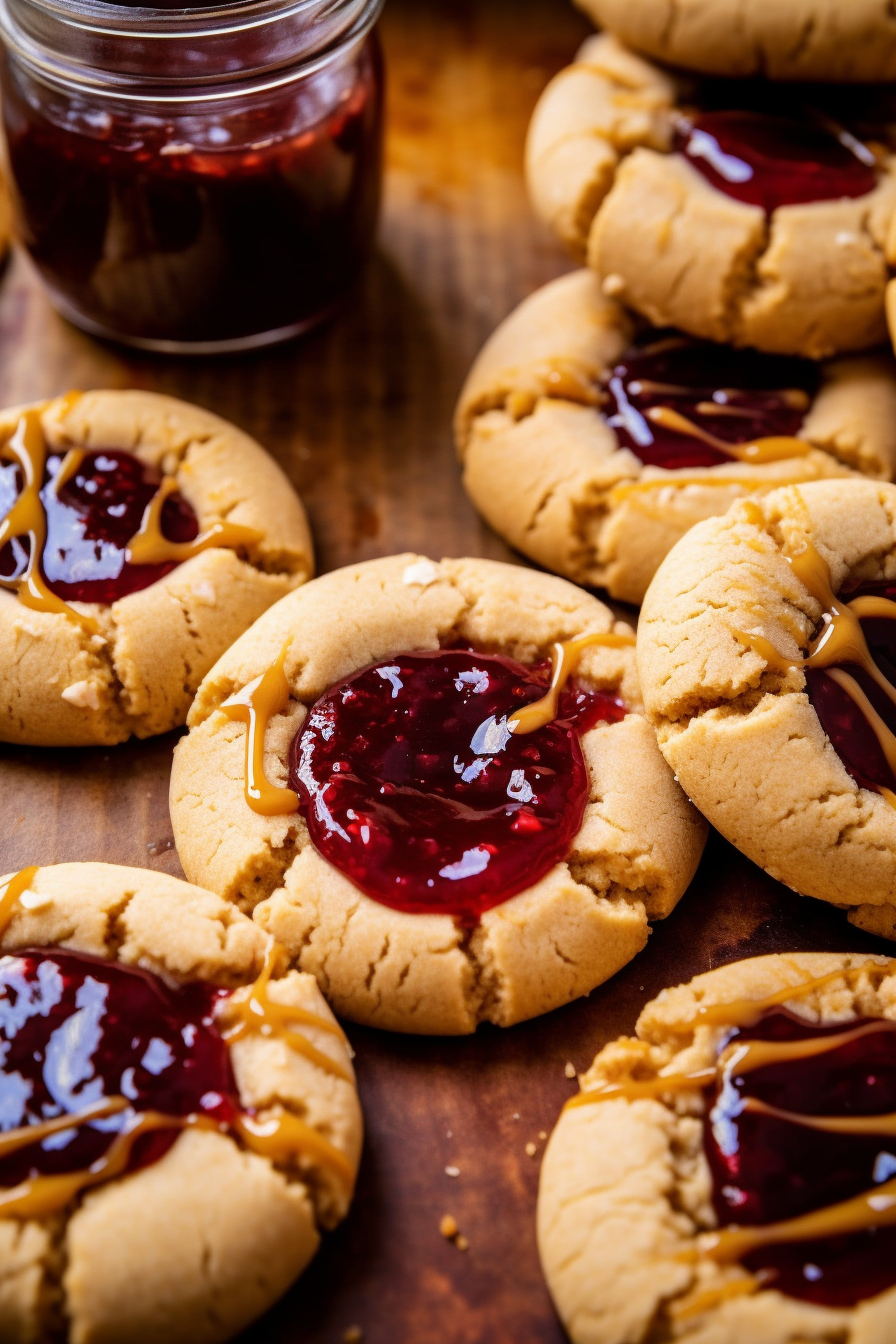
(194, 180)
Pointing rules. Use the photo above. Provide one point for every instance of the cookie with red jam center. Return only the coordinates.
(155, 1049)
(125, 518)
(766, 651)
(430, 782)
(750, 1122)
(715, 207)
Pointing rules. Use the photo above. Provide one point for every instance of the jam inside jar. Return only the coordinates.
(195, 181)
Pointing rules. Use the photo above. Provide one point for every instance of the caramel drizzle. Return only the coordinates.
(150, 546)
(873, 1208)
(256, 1013)
(27, 448)
(775, 448)
(841, 641)
(255, 705)
(281, 1138)
(565, 659)
(27, 518)
(17, 885)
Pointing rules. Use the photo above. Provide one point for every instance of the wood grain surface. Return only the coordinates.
(359, 416)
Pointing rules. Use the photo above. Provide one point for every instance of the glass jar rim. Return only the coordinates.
(52, 37)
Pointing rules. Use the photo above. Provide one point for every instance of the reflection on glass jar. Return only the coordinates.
(198, 180)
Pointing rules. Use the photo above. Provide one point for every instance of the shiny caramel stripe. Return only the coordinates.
(874, 1208)
(150, 546)
(711, 1298)
(27, 518)
(842, 641)
(776, 448)
(251, 1011)
(255, 706)
(12, 1140)
(565, 659)
(738, 1058)
(9, 895)
(41, 1196)
(861, 1125)
(283, 1138)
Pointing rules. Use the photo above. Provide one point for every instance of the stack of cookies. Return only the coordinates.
(738, 235)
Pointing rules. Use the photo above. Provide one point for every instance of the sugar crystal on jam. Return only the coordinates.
(413, 786)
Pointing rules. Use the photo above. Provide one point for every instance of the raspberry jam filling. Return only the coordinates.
(736, 396)
(847, 724)
(413, 786)
(771, 160)
(75, 1032)
(90, 521)
(767, 1169)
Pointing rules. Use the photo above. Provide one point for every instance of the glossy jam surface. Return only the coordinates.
(770, 160)
(414, 788)
(200, 226)
(851, 734)
(89, 525)
(766, 1169)
(75, 1030)
(735, 395)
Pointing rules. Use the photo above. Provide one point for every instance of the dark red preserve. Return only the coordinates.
(766, 1169)
(737, 396)
(90, 521)
(75, 1031)
(414, 788)
(769, 159)
(204, 180)
(848, 728)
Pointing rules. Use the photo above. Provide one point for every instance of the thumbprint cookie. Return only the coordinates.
(739, 212)
(727, 1174)
(179, 1115)
(767, 656)
(592, 445)
(139, 536)
(434, 785)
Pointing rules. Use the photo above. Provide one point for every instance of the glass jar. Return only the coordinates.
(197, 180)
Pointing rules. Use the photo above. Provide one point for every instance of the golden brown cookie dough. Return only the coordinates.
(625, 1184)
(742, 736)
(808, 280)
(631, 861)
(781, 39)
(548, 473)
(192, 1248)
(61, 685)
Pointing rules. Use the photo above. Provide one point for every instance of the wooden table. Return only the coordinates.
(359, 416)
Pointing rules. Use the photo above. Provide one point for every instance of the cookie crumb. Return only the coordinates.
(461, 1242)
(448, 1227)
(449, 1133)
(516, 1115)
(420, 574)
(452, 1171)
(542, 1134)
(613, 285)
(353, 1335)
(82, 694)
(570, 1069)
(531, 1149)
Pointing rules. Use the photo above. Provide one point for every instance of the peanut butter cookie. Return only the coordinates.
(179, 1113)
(434, 785)
(738, 213)
(592, 447)
(767, 654)
(139, 536)
(727, 1174)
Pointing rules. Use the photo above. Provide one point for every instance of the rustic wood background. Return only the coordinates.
(359, 416)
